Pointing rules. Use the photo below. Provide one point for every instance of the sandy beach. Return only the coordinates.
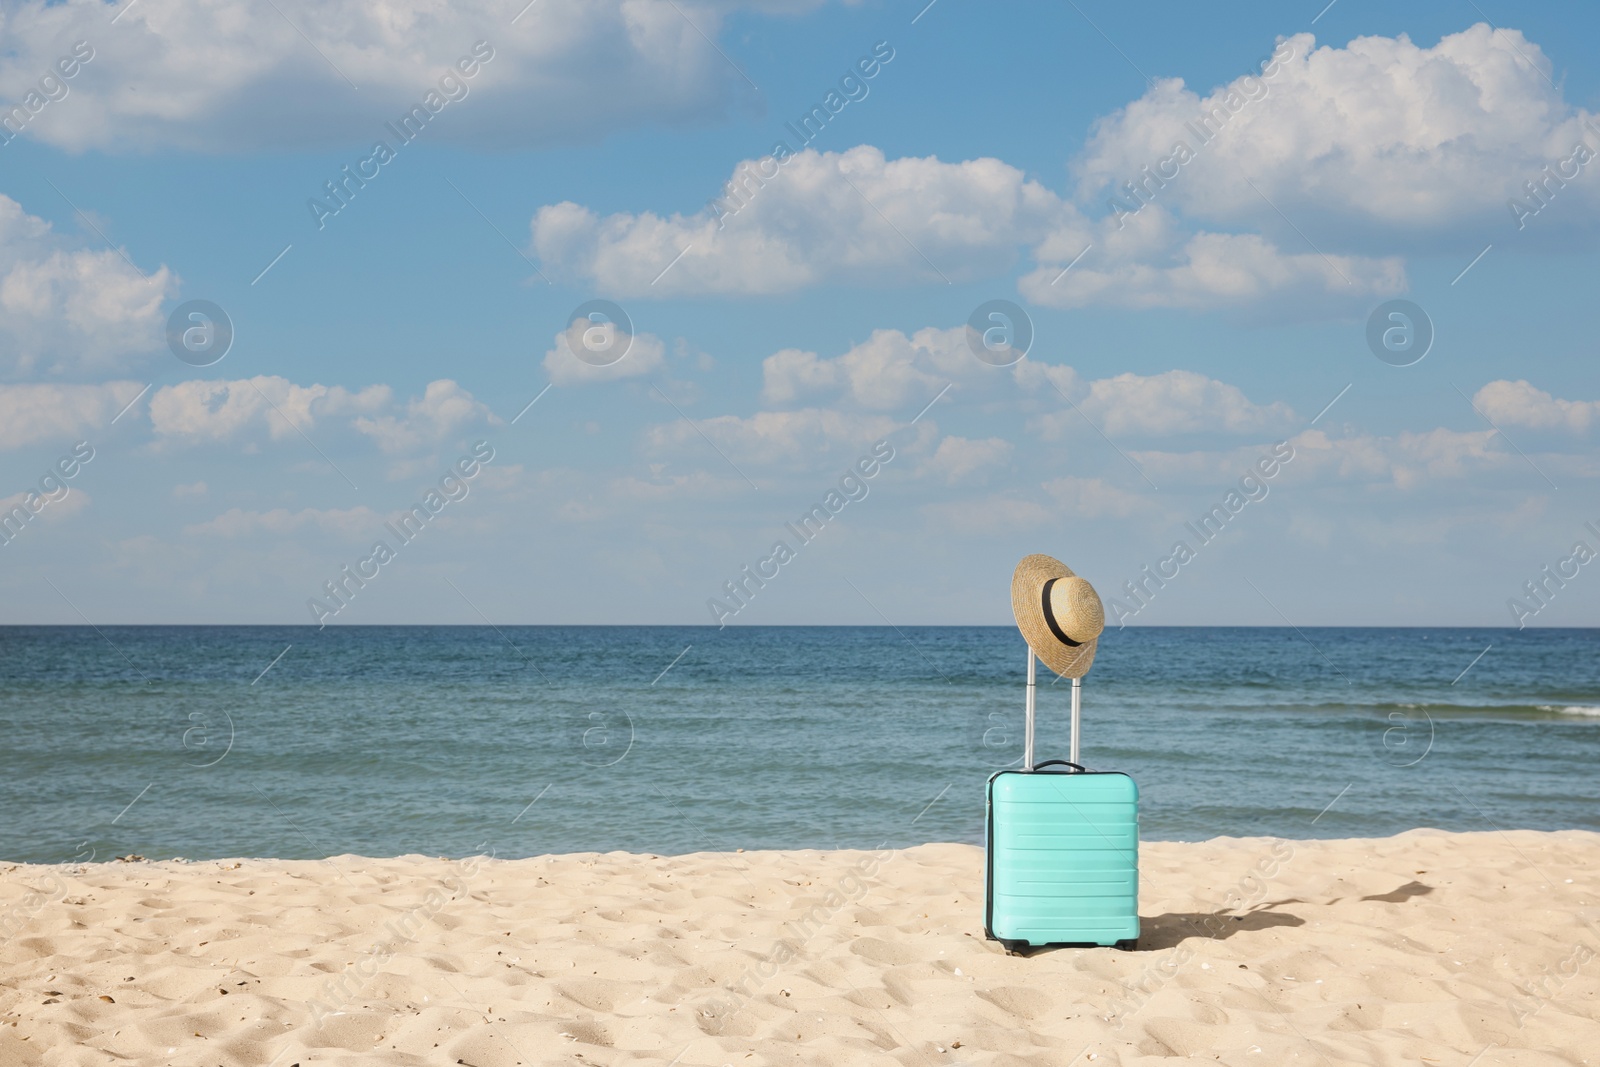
(1426, 947)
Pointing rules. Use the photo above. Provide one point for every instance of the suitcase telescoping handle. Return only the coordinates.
(1027, 724)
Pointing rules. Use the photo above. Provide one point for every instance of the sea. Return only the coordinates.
(206, 742)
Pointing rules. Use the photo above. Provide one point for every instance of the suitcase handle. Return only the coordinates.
(1028, 716)
(1077, 768)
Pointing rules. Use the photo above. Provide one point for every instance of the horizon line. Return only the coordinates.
(779, 626)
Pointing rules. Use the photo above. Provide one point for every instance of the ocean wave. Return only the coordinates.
(1409, 710)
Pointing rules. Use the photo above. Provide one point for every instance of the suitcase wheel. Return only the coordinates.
(1127, 945)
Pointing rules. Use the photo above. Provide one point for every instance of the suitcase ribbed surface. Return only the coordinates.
(1063, 858)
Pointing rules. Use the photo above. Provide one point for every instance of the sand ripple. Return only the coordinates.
(1426, 948)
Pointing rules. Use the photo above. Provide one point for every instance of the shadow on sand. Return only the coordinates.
(1160, 932)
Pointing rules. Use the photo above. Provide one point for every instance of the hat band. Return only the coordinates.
(1050, 618)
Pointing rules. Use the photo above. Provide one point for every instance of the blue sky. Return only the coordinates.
(1175, 346)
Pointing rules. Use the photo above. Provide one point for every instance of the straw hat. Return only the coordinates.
(1059, 614)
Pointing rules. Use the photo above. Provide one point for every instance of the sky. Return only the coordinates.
(627, 311)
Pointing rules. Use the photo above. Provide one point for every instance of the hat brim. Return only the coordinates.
(1027, 606)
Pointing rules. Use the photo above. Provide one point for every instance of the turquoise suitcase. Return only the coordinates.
(1062, 851)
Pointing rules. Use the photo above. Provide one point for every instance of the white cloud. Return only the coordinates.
(892, 372)
(1406, 460)
(996, 514)
(1210, 270)
(831, 218)
(75, 501)
(645, 355)
(190, 489)
(443, 409)
(221, 410)
(1379, 145)
(777, 436)
(663, 487)
(1092, 498)
(958, 459)
(793, 373)
(889, 371)
(1520, 404)
(239, 522)
(217, 410)
(1381, 132)
(824, 217)
(1039, 377)
(1062, 501)
(66, 310)
(564, 70)
(45, 412)
(1179, 401)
